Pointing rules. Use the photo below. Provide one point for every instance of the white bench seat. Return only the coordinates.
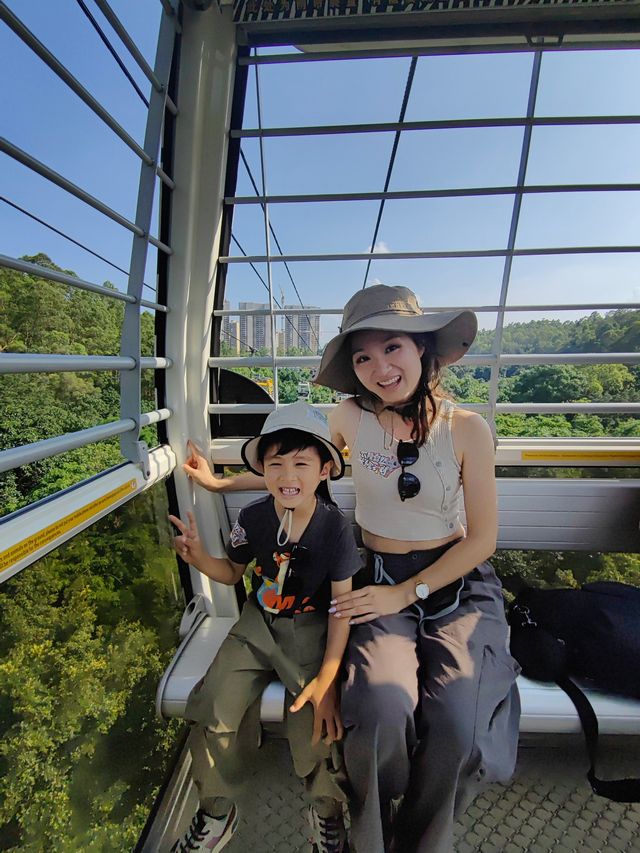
(541, 514)
(545, 708)
(191, 661)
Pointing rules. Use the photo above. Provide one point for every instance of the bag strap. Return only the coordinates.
(618, 790)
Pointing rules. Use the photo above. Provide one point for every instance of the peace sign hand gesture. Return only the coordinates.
(188, 544)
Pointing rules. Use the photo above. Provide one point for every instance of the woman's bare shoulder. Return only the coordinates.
(469, 428)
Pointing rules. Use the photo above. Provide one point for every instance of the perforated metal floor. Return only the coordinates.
(548, 807)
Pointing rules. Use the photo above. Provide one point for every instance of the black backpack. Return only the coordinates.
(593, 634)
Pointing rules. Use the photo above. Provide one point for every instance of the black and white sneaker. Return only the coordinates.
(329, 834)
(207, 833)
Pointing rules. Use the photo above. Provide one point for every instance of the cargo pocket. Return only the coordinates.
(497, 715)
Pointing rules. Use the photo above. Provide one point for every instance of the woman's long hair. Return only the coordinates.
(421, 408)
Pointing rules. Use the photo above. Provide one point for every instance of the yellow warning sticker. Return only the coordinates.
(49, 534)
(627, 455)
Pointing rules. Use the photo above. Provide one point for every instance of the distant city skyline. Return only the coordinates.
(294, 330)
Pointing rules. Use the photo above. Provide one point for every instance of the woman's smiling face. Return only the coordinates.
(387, 364)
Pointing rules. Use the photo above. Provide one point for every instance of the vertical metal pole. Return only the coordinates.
(515, 216)
(272, 318)
(131, 447)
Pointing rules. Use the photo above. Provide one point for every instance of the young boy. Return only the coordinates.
(305, 555)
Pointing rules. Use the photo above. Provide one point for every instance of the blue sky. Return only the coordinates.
(49, 122)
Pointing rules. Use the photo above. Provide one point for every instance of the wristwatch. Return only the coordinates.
(422, 590)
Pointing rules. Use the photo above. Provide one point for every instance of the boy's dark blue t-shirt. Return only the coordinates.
(296, 577)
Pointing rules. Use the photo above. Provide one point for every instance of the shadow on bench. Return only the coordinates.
(545, 708)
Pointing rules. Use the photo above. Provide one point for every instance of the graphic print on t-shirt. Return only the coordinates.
(379, 463)
(270, 596)
(238, 536)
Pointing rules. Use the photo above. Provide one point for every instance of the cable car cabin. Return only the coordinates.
(191, 191)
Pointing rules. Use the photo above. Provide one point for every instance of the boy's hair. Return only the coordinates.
(287, 440)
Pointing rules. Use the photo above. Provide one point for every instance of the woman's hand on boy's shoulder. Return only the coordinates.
(197, 468)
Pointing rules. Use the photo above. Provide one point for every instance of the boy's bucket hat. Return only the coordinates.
(300, 416)
(395, 309)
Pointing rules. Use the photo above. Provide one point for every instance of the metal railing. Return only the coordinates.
(496, 359)
(129, 363)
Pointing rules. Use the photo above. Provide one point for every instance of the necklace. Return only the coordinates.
(386, 435)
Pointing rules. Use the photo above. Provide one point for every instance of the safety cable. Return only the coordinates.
(113, 51)
(396, 141)
(277, 242)
(266, 287)
(70, 239)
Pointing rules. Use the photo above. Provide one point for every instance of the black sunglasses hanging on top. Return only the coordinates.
(408, 483)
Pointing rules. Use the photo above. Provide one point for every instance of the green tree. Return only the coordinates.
(85, 635)
(548, 383)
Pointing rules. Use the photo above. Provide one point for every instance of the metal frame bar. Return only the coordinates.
(474, 360)
(14, 362)
(267, 243)
(31, 532)
(463, 253)
(465, 192)
(53, 275)
(202, 152)
(168, 7)
(114, 53)
(37, 450)
(131, 446)
(30, 162)
(568, 408)
(128, 42)
(501, 408)
(435, 124)
(277, 242)
(392, 159)
(66, 237)
(513, 230)
(430, 50)
(591, 306)
(25, 34)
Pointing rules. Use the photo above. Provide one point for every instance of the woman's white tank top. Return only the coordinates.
(434, 513)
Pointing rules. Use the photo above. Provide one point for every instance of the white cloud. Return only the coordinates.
(380, 248)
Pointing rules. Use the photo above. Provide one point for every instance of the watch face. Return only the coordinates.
(422, 590)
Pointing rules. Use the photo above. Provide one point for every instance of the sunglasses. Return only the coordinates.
(408, 484)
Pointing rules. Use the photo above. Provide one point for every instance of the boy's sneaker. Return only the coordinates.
(207, 833)
(329, 834)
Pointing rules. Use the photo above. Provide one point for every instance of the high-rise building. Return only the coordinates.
(302, 331)
(234, 335)
(226, 331)
(255, 331)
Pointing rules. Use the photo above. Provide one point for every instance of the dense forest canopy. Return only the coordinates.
(41, 316)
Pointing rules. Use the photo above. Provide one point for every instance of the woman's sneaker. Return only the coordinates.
(207, 833)
(329, 834)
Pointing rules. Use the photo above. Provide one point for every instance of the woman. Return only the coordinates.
(429, 701)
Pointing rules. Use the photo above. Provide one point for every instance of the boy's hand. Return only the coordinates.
(197, 468)
(326, 711)
(188, 544)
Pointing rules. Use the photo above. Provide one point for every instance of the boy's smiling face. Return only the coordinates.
(292, 478)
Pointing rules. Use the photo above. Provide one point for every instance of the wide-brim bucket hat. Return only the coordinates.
(395, 309)
(300, 416)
